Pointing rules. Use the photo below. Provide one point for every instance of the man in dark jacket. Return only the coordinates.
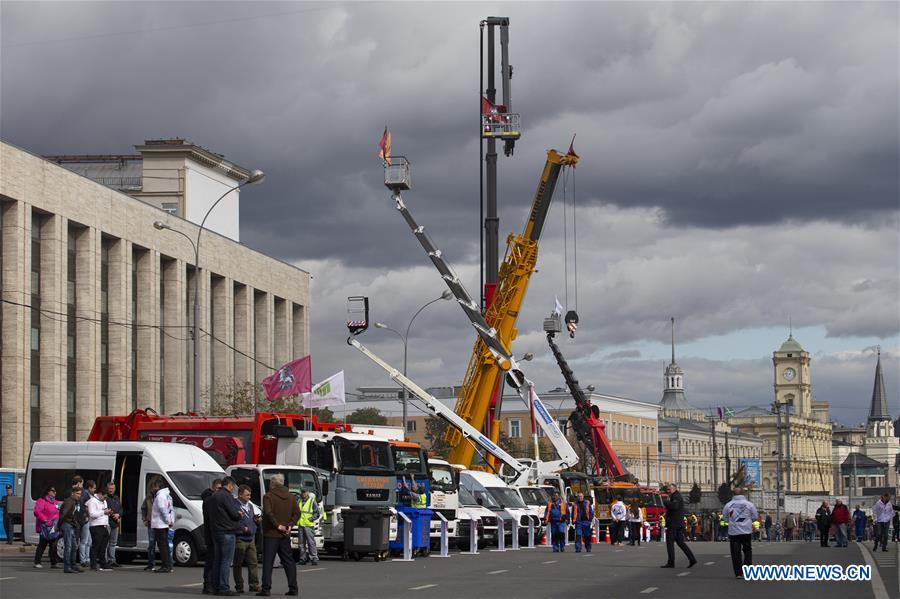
(280, 514)
(70, 523)
(675, 528)
(823, 523)
(225, 513)
(115, 516)
(208, 536)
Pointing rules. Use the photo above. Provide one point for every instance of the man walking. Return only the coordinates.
(619, 514)
(98, 521)
(883, 511)
(556, 518)
(582, 519)
(84, 548)
(162, 518)
(70, 521)
(280, 513)
(115, 517)
(675, 528)
(635, 520)
(7, 523)
(769, 528)
(790, 523)
(740, 515)
(208, 586)
(895, 535)
(823, 523)
(306, 532)
(840, 517)
(146, 512)
(245, 544)
(226, 522)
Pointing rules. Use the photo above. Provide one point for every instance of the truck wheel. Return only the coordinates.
(185, 553)
(61, 550)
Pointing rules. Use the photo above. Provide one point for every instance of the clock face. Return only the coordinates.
(789, 374)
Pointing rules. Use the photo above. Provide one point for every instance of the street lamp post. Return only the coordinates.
(446, 295)
(255, 177)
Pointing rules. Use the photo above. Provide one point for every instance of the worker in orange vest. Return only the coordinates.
(583, 519)
(556, 518)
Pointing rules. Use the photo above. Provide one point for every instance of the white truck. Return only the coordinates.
(506, 501)
(444, 500)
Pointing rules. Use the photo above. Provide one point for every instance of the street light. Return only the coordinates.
(256, 176)
(446, 296)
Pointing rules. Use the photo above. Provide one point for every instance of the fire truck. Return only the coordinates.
(229, 440)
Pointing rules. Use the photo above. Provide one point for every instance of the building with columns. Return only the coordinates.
(805, 430)
(703, 449)
(97, 303)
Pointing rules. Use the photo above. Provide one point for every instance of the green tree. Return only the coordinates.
(435, 428)
(695, 495)
(725, 492)
(366, 416)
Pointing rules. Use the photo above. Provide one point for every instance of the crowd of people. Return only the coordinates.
(87, 522)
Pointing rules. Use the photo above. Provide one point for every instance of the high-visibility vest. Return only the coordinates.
(419, 500)
(306, 512)
(562, 511)
(756, 525)
(587, 510)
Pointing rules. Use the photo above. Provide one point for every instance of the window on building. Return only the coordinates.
(170, 207)
(35, 339)
(563, 425)
(515, 428)
(410, 426)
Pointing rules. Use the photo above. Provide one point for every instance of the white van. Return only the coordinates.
(188, 470)
(509, 504)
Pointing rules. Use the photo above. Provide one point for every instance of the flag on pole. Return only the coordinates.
(571, 151)
(329, 392)
(729, 412)
(487, 107)
(291, 379)
(385, 145)
(558, 310)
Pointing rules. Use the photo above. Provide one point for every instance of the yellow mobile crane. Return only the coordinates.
(480, 392)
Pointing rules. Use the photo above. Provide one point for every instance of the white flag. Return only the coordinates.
(558, 310)
(329, 392)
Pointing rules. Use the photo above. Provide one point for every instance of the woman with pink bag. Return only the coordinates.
(46, 516)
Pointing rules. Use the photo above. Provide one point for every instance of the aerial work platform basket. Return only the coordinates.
(396, 173)
(501, 125)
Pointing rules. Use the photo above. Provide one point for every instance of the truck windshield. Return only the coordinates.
(294, 480)
(442, 479)
(191, 483)
(534, 496)
(465, 497)
(363, 457)
(486, 500)
(506, 497)
(409, 461)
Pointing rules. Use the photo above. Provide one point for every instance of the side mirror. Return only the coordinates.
(480, 501)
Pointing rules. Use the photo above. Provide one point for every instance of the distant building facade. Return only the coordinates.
(97, 304)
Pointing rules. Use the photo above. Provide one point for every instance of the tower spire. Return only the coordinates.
(879, 409)
(673, 339)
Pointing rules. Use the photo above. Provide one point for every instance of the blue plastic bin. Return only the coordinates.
(421, 528)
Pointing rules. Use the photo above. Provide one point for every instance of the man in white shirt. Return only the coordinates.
(883, 513)
(98, 521)
(740, 514)
(619, 514)
(162, 518)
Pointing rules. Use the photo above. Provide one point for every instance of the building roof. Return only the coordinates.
(791, 345)
(878, 409)
(753, 411)
(861, 460)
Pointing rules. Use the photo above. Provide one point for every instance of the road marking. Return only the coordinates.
(553, 561)
(685, 574)
(878, 588)
(709, 563)
(498, 571)
(312, 569)
(423, 587)
(649, 590)
(193, 584)
(8, 578)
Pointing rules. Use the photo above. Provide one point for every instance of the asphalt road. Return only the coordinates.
(611, 571)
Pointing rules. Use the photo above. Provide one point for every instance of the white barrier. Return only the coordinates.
(445, 544)
(407, 540)
(473, 537)
(501, 534)
(515, 534)
(530, 534)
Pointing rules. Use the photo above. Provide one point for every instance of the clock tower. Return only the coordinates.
(792, 384)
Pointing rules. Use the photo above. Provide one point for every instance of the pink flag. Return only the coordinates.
(291, 379)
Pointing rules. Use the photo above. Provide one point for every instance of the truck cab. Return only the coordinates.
(497, 496)
(470, 513)
(356, 471)
(444, 498)
(536, 498)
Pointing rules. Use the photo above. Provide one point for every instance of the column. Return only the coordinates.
(54, 235)
(119, 306)
(282, 349)
(299, 337)
(15, 287)
(87, 330)
(223, 329)
(243, 334)
(147, 334)
(264, 324)
(175, 348)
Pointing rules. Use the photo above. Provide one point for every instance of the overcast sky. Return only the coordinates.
(739, 168)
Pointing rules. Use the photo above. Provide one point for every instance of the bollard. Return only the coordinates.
(407, 539)
(445, 545)
(501, 534)
(530, 534)
(515, 534)
(473, 538)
